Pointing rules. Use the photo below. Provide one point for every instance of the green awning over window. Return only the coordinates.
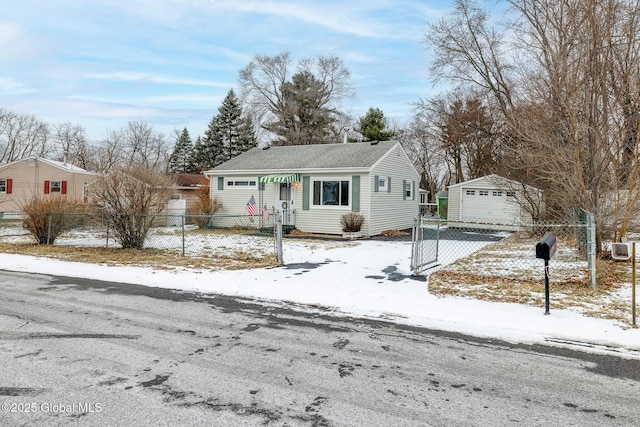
(284, 177)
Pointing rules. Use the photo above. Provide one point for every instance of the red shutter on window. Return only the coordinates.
(47, 186)
(63, 188)
(9, 186)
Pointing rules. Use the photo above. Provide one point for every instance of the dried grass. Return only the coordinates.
(569, 289)
(147, 257)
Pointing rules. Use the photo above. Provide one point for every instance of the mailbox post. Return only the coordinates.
(545, 249)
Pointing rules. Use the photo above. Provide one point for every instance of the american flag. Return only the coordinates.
(252, 209)
(265, 212)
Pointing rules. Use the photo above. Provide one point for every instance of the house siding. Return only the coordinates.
(28, 182)
(458, 198)
(234, 200)
(326, 220)
(190, 196)
(388, 207)
(454, 203)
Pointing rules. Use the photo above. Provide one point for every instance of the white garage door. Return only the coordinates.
(494, 206)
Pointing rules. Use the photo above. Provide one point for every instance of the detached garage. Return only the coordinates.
(492, 201)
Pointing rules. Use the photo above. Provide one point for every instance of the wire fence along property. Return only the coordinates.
(217, 235)
(502, 250)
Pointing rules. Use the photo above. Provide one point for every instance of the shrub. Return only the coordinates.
(47, 218)
(201, 214)
(131, 199)
(351, 222)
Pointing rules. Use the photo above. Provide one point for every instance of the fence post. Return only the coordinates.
(183, 238)
(414, 244)
(49, 227)
(633, 285)
(106, 245)
(591, 248)
(278, 227)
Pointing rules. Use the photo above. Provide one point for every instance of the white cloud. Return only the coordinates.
(154, 78)
(186, 98)
(342, 17)
(12, 87)
(15, 43)
(9, 33)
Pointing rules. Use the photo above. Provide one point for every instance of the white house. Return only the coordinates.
(493, 201)
(314, 185)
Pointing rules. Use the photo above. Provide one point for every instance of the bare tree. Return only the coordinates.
(73, 147)
(131, 199)
(422, 145)
(21, 136)
(135, 145)
(572, 117)
(145, 147)
(297, 107)
(111, 152)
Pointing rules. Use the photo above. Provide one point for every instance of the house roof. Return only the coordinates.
(493, 178)
(67, 167)
(190, 179)
(356, 155)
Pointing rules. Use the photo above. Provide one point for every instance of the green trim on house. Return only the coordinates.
(355, 193)
(306, 185)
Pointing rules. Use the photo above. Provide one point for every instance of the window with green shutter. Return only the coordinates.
(382, 184)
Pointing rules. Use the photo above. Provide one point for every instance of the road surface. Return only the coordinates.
(84, 352)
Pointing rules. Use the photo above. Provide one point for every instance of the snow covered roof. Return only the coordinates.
(67, 167)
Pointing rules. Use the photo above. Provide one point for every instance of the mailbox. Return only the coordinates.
(546, 247)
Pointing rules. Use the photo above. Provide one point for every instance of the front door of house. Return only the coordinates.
(285, 203)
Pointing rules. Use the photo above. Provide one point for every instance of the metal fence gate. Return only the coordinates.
(424, 247)
(441, 243)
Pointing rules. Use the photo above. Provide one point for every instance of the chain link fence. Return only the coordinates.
(489, 251)
(217, 235)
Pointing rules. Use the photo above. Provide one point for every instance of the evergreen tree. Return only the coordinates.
(212, 149)
(198, 161)
(181, 157)
(229, 133)
(372, 126)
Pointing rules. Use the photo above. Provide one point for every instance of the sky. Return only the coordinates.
(337, 277)
(170, 63)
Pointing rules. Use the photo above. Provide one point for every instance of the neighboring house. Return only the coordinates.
(314, 185)
(34, 177)
(187, 186)
(493, 201)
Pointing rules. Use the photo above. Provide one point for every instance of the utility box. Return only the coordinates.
(546, 247)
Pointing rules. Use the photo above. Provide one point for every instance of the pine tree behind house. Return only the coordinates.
(229, 133)
(182, 153)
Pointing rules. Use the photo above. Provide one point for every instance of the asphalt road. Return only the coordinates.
(89, 353)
